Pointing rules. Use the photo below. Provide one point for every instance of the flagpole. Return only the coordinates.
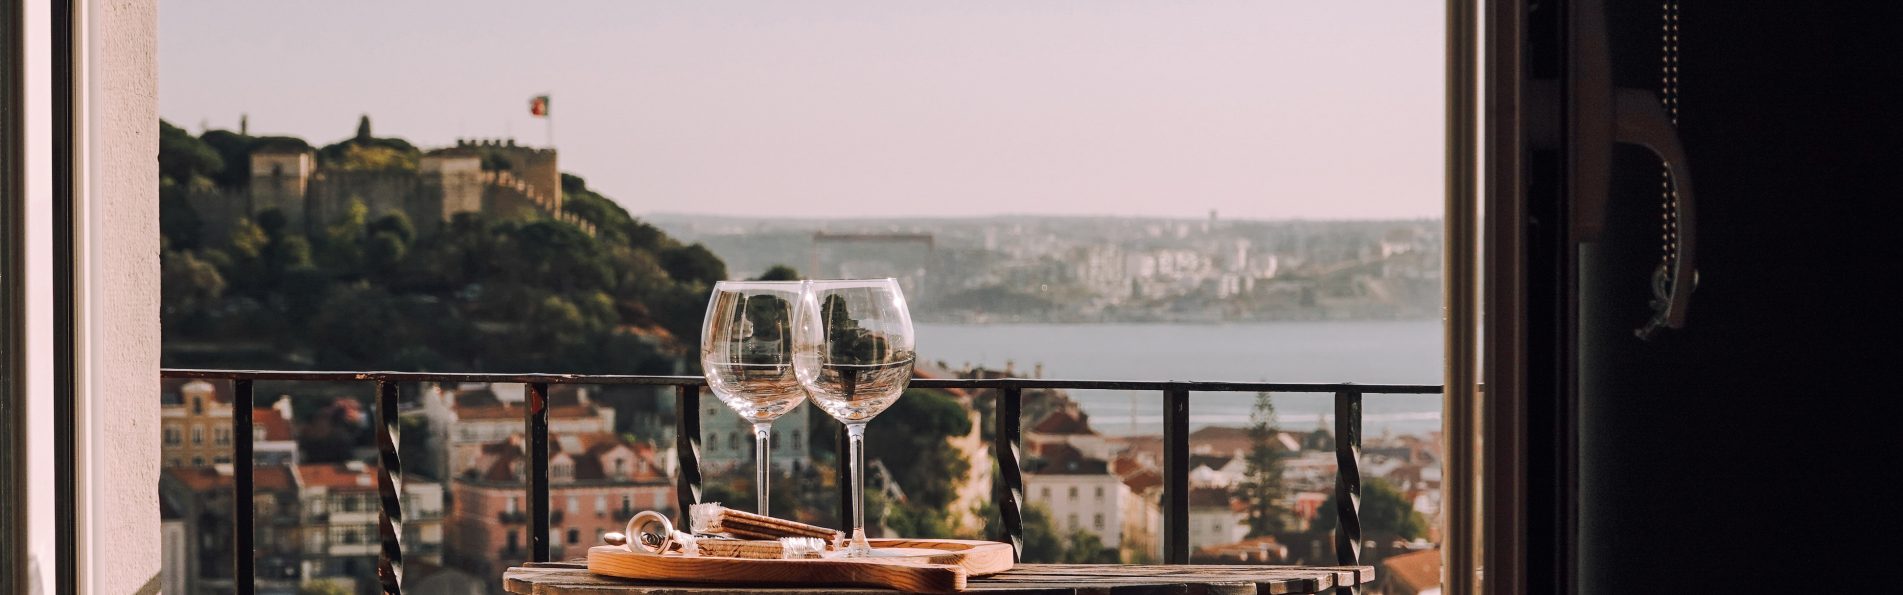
(548, 121)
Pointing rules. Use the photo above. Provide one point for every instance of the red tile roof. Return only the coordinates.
(1413, 572)
(200, 479)
(1058, 458)
(1213, 462)
(338, 476)
(515, 413)
(1143, 479)
(1226, 441)
(927, 370)
(501, 461)
(1125, 466)
(273, 478)
(274, 425)
(1064, 422)
(1209, 498)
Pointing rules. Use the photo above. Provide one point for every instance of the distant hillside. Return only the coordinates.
(1100, 268)
(381, 292)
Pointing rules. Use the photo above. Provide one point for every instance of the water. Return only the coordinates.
(1366, 352)
(757, 392)
(853, 393)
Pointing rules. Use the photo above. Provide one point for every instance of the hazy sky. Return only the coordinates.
(1259, 109)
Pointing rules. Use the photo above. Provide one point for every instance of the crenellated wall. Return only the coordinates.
(447, 182)
(509, 196)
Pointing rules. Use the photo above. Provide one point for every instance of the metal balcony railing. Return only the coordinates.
(1008, 493)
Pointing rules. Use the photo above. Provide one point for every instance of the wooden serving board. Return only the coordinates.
(940, 566)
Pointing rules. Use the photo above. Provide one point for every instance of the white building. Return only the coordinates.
(175, 541)
(464, 418)
(273, 441)
(338, 504)
(726, 441)
(1142, 509)
(1080, 492)
(1069, 426)
(1214, 519)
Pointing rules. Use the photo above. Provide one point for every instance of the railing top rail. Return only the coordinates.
(648, 380)
(1183, 385)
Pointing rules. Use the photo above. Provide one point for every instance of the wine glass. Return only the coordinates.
(854, 356)
(746, 351)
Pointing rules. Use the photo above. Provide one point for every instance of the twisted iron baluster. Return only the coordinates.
(1348, 481)
(390, 488)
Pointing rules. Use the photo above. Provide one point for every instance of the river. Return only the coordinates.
(1368, 352)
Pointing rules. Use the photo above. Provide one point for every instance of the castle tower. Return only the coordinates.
(280, 178)
(452, 183)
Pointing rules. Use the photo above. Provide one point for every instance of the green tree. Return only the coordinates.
(911, 439)
(1261, 486)
(394, 223)
(364, 157)
(1384, 512)
(363, 129)
(188, 286)
(911, 520)
(1041, 542)
(235, 151)
(179, 223)
(184, 159)
(779, 272)
(1084, 547)
(693, 264)
(462, 296)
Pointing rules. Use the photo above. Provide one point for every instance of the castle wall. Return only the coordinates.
(446, 183)
(506, 196)
(535, 167)
(381, 193)
(218, 211)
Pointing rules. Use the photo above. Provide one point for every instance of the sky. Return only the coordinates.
(864, 108)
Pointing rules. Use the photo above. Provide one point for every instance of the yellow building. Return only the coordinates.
(195, 421)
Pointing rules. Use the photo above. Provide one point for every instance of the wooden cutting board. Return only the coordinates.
(938, 565)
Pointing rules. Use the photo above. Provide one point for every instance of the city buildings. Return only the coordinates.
(195, 426)
(312, 522)
(463, 420)
(597, 480)
(194, 423)
(727, 442)
(1080, 492)
(337, 506)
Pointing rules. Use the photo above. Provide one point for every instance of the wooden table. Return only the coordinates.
(573, 578)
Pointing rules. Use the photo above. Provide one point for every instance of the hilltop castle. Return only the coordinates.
(518, 182)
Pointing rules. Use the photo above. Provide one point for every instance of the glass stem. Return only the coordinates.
(762, 454)
(856, 437)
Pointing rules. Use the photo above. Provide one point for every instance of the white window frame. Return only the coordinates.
(114, 335)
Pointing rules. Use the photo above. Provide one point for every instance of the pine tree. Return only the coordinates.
(1262, 477)
(363, 129)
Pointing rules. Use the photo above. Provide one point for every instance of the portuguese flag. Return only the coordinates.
(538, 106)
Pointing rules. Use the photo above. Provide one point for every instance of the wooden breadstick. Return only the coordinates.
(740, 548)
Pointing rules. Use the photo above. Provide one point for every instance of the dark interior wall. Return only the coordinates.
(1747, 452)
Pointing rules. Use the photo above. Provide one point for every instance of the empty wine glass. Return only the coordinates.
(854, 355)
(746, 351)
